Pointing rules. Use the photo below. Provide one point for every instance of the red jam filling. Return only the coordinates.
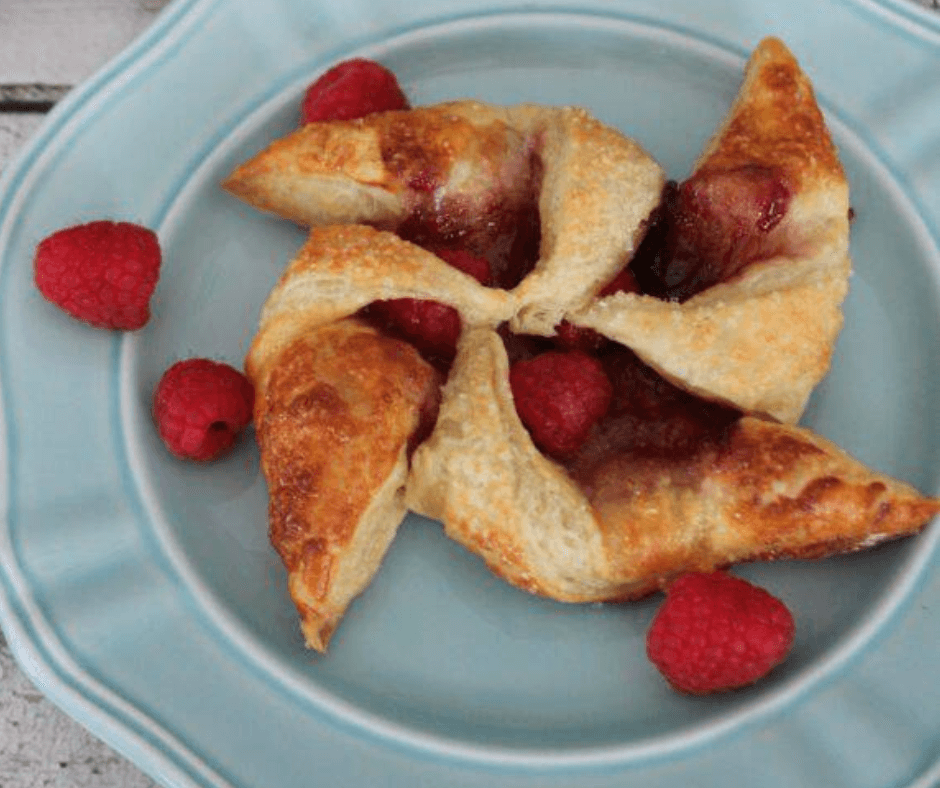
(494, 238)
(595, 399)
(501, 225)
(709, 229)
(494, 216)
(646, 415)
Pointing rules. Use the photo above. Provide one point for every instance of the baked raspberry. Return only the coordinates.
(572, 337)
(717, 632)
(710, 228)
(432, 327)
(476, 266)
(559, 396)
(200, 406)
(103, 272)
(352, 89)
(624, 282)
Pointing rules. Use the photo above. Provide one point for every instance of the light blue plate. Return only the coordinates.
(140, 592)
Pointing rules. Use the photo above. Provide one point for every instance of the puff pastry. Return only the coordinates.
(342, 410)
(764, 339)
(335, 408)
(760, 341)
(622, 519)
(616, 521)
(465, 165)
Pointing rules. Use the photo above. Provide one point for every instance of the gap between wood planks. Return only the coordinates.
(30, 98)
(22, 109)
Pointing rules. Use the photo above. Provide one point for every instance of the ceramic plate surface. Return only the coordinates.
(140, 592)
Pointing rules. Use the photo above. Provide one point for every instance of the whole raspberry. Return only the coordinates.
(103, 272)
(352, 89)
(717, 632)
(559, 396)
(200, 406)
(432, 327)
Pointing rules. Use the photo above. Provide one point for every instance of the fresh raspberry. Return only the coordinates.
(432, 327)
(717, 632)
(200, 406)
(559, 396)
(103, 272)
(352, 89)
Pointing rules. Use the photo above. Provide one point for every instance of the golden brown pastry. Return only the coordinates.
(335, 408)
(676, 477)
(379, 170)
(471, 171)
(636, 506)
(639, 505)
(763, 338)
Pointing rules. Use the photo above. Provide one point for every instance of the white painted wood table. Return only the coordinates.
(46, 47)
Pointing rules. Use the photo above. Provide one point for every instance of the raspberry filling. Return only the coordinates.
(507, 236)
(488, 208)
(433, 328)
(643, 415)
(484, 222)
(582, 397)
(709, 229)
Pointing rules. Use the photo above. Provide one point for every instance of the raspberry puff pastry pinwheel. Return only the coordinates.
(741, 271)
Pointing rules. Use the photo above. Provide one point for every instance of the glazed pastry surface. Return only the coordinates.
(355, 427)
(335, 408)
(625, 517)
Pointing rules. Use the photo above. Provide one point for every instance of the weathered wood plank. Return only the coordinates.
(30, 98)
(15, 129)
(65, 41)
(39, 745)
